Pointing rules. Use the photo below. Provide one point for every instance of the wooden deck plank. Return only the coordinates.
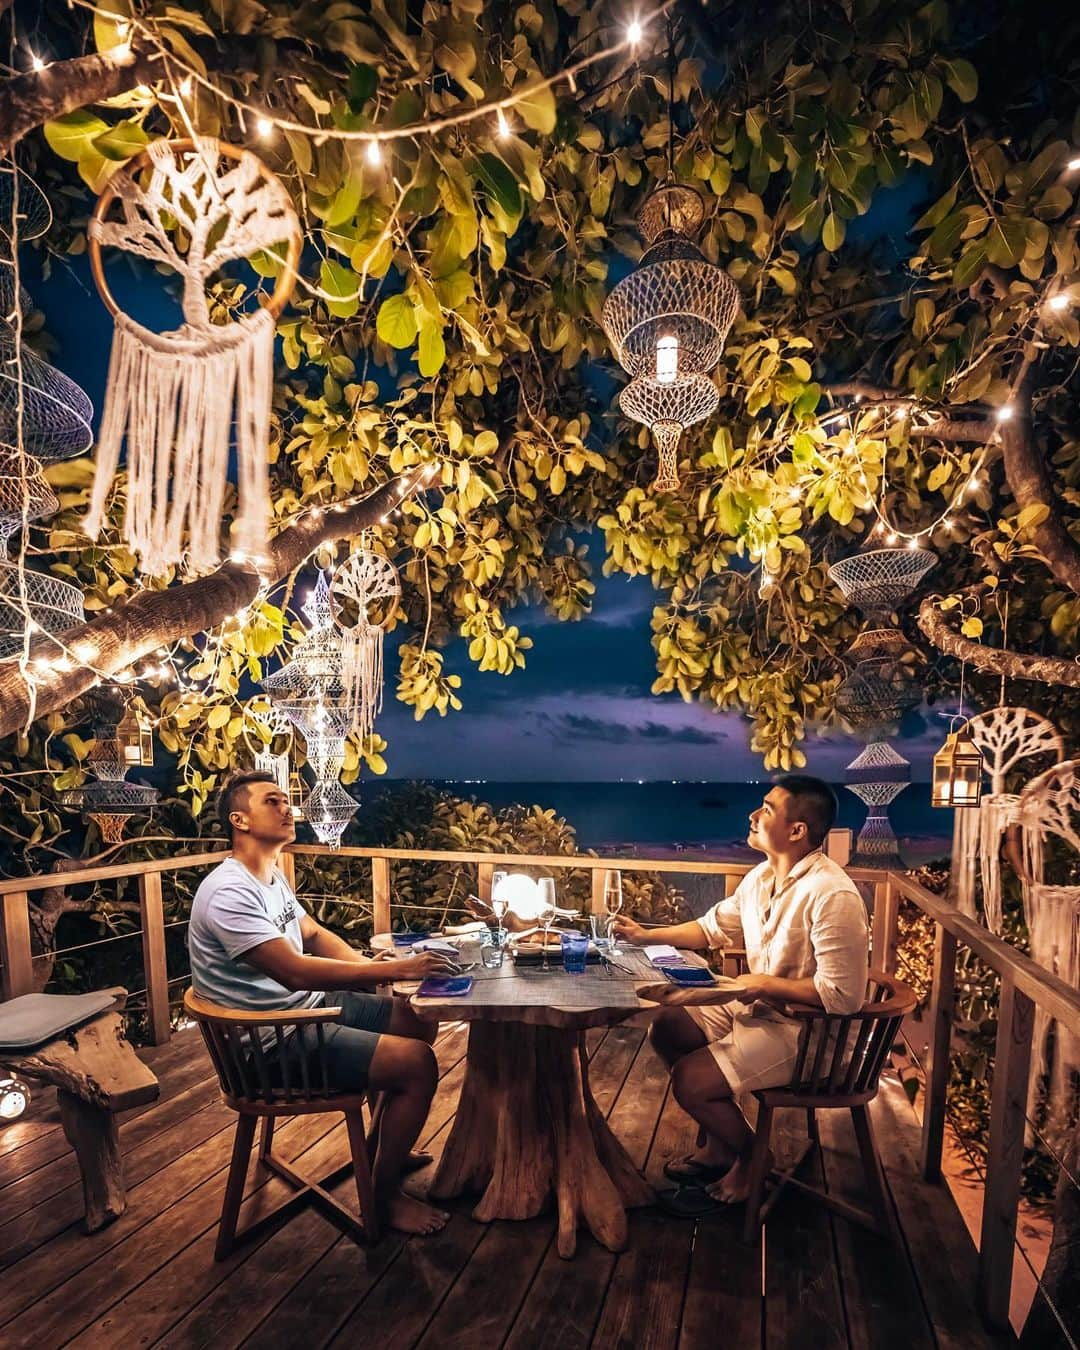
(635, 1114)
(883, 1306)
(563, 1304)
(941, 1249)
(642, 1309)
(618, 1049)
(146, 1280)
(803, 1305)
(723, 1287)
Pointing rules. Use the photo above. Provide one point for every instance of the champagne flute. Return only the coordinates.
(545, 889)
(499, 903)
(613, 903)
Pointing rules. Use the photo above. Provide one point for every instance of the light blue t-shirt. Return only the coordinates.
(233, 911)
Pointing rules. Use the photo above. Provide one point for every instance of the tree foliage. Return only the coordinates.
(449, 311)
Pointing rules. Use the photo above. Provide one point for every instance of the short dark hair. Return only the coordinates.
(813, 802)
(234, 791)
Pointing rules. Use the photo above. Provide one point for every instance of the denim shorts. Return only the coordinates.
(350, 1042)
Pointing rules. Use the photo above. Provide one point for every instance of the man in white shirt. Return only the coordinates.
(803, 925)
(253, 946)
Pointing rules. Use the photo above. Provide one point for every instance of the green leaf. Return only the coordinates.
(431, 352)
(972, 628)
(1032, 516)
(537, 111)
(833, 231)
(122, 141)
(340, 282)
(971, 263)
(344, 202)
(396, 324)
(72, 137)
(360, 86)
(499, 181)
(1006, 241)
(962, 79)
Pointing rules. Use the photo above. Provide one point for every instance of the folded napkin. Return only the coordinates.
(438, 945)
(662, 955)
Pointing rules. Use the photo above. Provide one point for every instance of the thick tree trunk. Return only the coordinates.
(150, 619)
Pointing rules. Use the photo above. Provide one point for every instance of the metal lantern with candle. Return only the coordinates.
(136, 740)
(958, 771)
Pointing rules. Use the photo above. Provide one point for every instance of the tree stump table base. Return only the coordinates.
(527, 1128)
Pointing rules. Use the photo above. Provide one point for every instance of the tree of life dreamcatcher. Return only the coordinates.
(178, 398)
(365, 587)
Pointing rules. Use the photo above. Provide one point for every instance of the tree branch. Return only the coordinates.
(993, 660)
(27, 101)
(150, 619)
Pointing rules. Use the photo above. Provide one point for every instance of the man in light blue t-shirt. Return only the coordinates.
(254, 946)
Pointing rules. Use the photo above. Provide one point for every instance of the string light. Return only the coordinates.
(1073, 164)
(1059, 301)
(186, 87)
(504, 126)
(1005, 413)
(373, 152)
(633, 32)
(37, 63)
(264, 126)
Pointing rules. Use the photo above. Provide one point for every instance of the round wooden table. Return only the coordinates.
(527, 1127)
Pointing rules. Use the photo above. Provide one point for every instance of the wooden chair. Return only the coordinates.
(264, 1086)
(840, 1059)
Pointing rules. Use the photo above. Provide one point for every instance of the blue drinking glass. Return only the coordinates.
(575, 947)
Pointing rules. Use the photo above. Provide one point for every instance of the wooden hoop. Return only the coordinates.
(286, 282)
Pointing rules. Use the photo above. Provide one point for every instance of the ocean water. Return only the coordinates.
(709, 816)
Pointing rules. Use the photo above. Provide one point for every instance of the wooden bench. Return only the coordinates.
(96, 1074)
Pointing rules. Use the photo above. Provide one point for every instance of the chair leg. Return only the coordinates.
(758, 1166)
(875, 1175)
(234, 1186)
(812, 1128)
(266, 1137)
(365, 1191)
(376, 1102)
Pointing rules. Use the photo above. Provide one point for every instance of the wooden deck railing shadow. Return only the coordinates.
(1024, 986)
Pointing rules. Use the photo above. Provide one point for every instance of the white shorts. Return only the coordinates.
(754, 1046)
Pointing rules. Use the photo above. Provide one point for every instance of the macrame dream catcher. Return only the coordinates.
(363, 589)
(1005, 737)
(178, 399)
(1050, 805)
(264, 726)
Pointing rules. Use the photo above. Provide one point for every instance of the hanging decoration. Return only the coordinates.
(24, 493)
(364, 589)
(880, 687)
(176, 397)
(1005, 737)
(958, 770)
(51, 605)
(667, 321)
(1050, 806)
(107, 799)
(262, 725)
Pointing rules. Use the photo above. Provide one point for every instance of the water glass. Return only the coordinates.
(599, 927)
(493, 948)
(575, 947)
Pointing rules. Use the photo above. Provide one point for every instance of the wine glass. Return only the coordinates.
(545, 892)
(499, 902)
(613, 903)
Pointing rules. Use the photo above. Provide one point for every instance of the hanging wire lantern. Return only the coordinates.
(328, 809)
(24, 493)
(958, 770)
(668, 409)
(52, 605)
(119, 734)
(877, 580)
(41, 410)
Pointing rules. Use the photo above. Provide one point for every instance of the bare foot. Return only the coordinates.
(409, 1215)
(734, 1186)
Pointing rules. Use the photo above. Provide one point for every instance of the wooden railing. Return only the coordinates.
(1024, 986)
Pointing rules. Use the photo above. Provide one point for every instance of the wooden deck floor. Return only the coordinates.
(150, 1278)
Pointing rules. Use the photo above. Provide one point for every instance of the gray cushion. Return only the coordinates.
(32, 1019)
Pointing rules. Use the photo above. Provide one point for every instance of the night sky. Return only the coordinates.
(581, 709)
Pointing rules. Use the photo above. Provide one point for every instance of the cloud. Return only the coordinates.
(577, 727)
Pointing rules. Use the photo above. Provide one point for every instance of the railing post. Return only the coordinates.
(18, 972)
(155, 966)
(731, 884)
(380, 895)
(1012, 1064)
(883, 932)
(287, 863)
(937, 1068)
(484, 873)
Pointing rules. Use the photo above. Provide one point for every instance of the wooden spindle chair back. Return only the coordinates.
(261, 1081)
(838, 1065)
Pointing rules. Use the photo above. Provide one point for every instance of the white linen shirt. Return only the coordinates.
(813, 926)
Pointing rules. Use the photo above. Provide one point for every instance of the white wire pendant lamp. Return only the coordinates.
(667, 321)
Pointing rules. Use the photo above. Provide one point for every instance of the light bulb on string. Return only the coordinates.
(37, 64)
(186, 87)
(1005, 414)
(1058, 302)
(264, 127)
(633, 32)
(503, 125)
(373, 154)
(1073, 164)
